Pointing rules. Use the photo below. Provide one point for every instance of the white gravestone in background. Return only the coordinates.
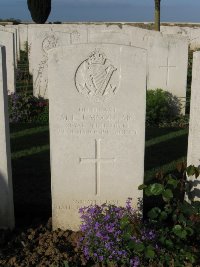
(16, 30)
(97, 95)
(7, 40)
(23, 36)
(42, 40)
(193, 156)
(192, 34)
(3, 28)
(168, 60)
(167, 55)
(6, 194)
(162, 52)
(195, 38)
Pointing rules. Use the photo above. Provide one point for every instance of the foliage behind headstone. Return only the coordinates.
(162, 106)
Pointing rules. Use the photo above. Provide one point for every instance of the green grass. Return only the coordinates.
(165, 147)
(31, 172)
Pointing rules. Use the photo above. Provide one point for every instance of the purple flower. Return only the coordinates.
(135, 262)
(100, 258)
(105, 235)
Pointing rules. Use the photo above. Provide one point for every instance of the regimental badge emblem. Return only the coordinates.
(96, 77)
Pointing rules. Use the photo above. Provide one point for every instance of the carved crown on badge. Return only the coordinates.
(96, 57)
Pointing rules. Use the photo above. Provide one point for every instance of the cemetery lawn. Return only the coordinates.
(33, 243)
(165, 148)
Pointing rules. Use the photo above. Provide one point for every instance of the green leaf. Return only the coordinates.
(189, 230)
(156, 189)
(167, 195)
(154, 213)
(142, 186)
(172, 181)
(147, 191)
(169, 243)
(163, 216)
(190, 170)
(124, 222)
(149, 252)
(179, 231)
(127, 236)
(189, 256)
(139, 247)
(131, 244)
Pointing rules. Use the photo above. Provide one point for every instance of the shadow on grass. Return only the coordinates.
(31, 139)
(169, 148)
(19, 127)
(153, 132)
(167, 151)
(32, 188)
(31, 174)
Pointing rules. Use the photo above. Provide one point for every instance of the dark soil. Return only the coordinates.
(40, 246)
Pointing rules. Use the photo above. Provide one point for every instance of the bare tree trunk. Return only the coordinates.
(157, 15)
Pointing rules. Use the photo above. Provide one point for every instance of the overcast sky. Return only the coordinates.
(107, 10)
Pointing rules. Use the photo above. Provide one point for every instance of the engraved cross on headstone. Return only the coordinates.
(98, 160)
(168, 68)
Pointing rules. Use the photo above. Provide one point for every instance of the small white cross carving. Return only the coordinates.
(97, 161)
(168, 66)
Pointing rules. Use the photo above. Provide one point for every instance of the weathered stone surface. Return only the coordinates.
(193, 156)
(23, 36)
(167, 55)
(32, 34)
(97, 96)
(163, 50)
(194, 38)
(167, 65)
(192, 34)
(43, 38)
(15, 29)
(7, 40)
(177, 30)
(6, 194)
(112, 34)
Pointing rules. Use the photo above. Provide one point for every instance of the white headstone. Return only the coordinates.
(41, 39)
(177, 30)
(16, 30)
(195, 38)
(33, 31)
(23, 36)
(7, 40)
(193, 156)
(3, 28)
(97, 95)
(163, 50)
(112, 34)
(167, 55)
(192, 34)
(168, 62)
(6, 194)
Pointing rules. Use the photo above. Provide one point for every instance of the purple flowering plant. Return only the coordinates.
(112, 234)
(24, 107)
